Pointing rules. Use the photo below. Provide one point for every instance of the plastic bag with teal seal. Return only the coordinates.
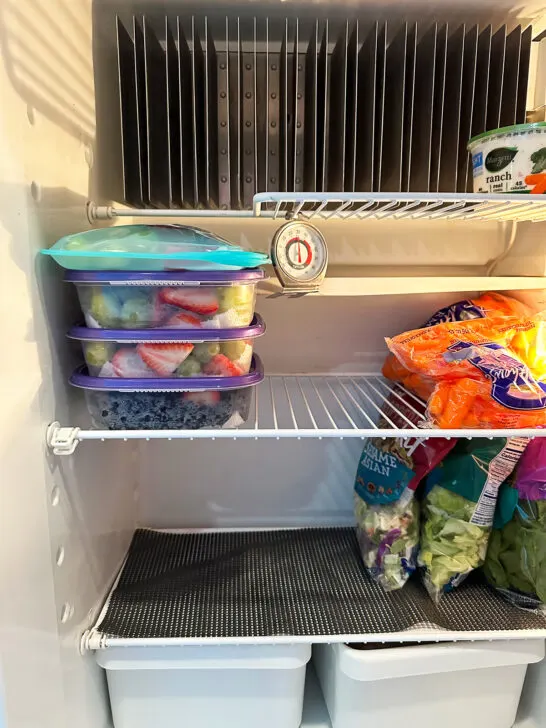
(387, 512)
(459, 506)
(516, 556)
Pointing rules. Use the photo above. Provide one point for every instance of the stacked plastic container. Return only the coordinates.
(171, 346)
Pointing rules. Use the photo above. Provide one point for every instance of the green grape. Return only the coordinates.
(189, 368)
(136, 313)
(236, 297)
(234, 349)
(204, 352)
(98, 353)
(104, 308)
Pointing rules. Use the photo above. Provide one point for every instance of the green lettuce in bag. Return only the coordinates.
(516, 556)
(459, 506)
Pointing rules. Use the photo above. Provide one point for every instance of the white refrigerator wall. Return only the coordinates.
(66, 523)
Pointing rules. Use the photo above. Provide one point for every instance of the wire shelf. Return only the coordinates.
(359, 206)
(400, 206)
(306, 406)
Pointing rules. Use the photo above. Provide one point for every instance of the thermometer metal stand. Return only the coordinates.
(300, 258)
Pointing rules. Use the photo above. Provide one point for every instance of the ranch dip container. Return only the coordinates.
(509, 159)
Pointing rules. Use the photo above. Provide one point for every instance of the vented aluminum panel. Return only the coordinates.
(302, 583)
(216, 109)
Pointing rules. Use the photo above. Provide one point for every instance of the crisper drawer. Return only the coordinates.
(476, 685)
(201, 687)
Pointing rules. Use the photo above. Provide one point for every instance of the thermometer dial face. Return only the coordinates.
(299, 253)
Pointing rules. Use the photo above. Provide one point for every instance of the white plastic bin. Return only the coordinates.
(243, 686)
(472, 684)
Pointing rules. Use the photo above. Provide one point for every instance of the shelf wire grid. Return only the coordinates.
(307, 406)
(398, 206)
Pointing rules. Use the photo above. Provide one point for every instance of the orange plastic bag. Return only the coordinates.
(488, 305)
(487, 373)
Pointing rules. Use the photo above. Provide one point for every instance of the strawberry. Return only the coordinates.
(127, 363)
(164, 358)
(221, 366)
(209, 397)
(183, 321)
(198, 300)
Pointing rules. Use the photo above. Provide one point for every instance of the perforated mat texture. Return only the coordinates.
(301, 582)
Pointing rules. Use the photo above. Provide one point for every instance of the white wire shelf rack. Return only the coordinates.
(305, 406)
(359, 206)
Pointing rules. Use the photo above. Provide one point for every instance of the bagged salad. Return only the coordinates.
(516, 557)
(459, 506)
(386, 510)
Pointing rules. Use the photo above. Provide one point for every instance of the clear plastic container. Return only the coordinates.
(151, 248)
(168, 404)
(168, 352)
(190, 300)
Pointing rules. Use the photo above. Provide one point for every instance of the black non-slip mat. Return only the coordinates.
(284, 582)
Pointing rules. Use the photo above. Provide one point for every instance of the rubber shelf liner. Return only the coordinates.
(270, 583)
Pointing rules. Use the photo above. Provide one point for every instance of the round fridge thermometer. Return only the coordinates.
(300, 257)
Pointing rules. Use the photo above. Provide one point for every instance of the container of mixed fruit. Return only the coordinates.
(159, 403)
(188, 300)
(177, 353)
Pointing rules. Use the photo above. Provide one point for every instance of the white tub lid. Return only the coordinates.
(206, 657)
(405, 661)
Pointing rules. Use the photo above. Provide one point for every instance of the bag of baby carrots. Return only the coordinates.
(483, 373)
(488, 305)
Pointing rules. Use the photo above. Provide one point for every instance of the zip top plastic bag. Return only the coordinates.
(479, 380)
(386, 510)
(488, 305)
(151, 248)
(459, 506)
(516, 557)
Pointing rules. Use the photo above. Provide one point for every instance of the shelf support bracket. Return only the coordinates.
(62, 440)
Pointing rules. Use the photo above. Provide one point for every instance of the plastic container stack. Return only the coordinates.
(170, 326)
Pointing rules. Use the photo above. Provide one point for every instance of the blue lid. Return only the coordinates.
(167, 278)
(137, 336)
(81, 379)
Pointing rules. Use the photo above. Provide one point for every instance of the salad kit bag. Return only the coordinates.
(516, 557)
(459, 506)
(386, 510)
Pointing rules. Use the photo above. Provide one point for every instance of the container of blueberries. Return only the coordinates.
(194, 403)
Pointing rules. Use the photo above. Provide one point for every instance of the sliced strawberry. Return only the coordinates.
(164, 358)
(127, 363)
(183, 321)
(221, 366)
(208, 398)
(198, 300)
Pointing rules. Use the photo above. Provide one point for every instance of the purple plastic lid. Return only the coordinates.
(137, 336)
(247, 275)
(81, 379)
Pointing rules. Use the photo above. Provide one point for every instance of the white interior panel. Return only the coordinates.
(64, 525)
(236, 484)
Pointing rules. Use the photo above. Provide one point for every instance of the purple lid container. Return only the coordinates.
(81, 379)
(159, 278)
(136, 336)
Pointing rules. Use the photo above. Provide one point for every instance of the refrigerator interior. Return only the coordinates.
(67, 521)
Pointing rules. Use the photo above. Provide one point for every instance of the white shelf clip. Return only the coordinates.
(62, 440)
